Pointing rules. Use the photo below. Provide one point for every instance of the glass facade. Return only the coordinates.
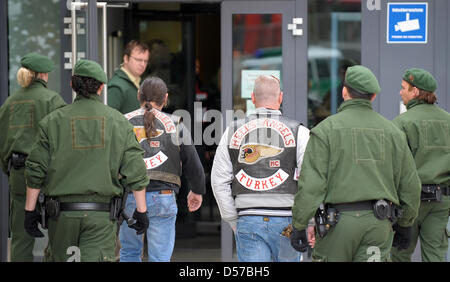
(257, 49)
(34, 26)
(167, 60)
(334, 43)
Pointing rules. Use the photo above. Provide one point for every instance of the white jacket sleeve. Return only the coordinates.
(221, 178)
(302, 141)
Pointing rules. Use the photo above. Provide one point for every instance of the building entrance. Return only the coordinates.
(184, 42)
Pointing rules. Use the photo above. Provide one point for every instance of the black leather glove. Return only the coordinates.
(299, 240)
(141, 224)
(31, 223)
(402, 237)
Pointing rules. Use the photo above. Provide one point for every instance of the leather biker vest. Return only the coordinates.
(162, 151)
(263, 153)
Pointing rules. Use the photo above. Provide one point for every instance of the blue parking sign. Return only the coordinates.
(407, 22)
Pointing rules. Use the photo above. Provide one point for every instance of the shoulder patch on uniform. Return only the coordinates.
(21, 114)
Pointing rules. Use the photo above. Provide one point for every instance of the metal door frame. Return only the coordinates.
(4, 81)
(295, 72)
(69, 41)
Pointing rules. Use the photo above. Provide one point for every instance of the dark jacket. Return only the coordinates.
(122, 93)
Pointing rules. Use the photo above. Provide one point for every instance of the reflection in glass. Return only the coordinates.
(167, 59)
(33, 26)
(256, 47)
(334, 44)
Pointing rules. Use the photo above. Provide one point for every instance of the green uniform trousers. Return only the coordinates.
(358, 236)
(81, 236)
(21, 242)
(430, 226)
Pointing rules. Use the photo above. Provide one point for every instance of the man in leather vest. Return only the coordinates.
(169, 154)
(254, 176)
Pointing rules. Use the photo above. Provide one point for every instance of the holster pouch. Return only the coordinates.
(44, 214)
(18, 160)
(381, 209)
(8, 168)
(431, 193)
(115, 208)
(325, 218)
(52, 207)
(386, 210)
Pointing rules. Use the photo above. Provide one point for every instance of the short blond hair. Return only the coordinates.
(266, 88)
(25, 77)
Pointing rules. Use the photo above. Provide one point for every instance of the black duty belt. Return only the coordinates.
(433, 192)
(85, 207)
(445, 190)
(382, 209)
(355, 206)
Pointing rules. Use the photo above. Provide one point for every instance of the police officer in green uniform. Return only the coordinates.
(427, 129)
(85, 155)
(358, 167)
(19, 118)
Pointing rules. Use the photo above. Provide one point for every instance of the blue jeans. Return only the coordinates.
(162, 212)
(259, 239)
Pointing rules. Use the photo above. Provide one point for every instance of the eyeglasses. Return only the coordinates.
(140, 60)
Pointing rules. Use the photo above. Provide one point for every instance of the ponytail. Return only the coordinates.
(25, 77)
(153, 89)
(428, 97)
(149, 121)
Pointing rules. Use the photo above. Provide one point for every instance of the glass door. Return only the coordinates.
(262, 37)
(77, 30)
(258, 37)
(88, 30)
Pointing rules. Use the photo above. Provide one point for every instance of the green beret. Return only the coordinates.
(421, 79)
(88, 68)
(37, 63)
(362, 80)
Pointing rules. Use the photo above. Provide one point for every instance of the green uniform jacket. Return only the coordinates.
(122, 93)
(82, 149)
(20, 115)
(356, 155)
(427, 129)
